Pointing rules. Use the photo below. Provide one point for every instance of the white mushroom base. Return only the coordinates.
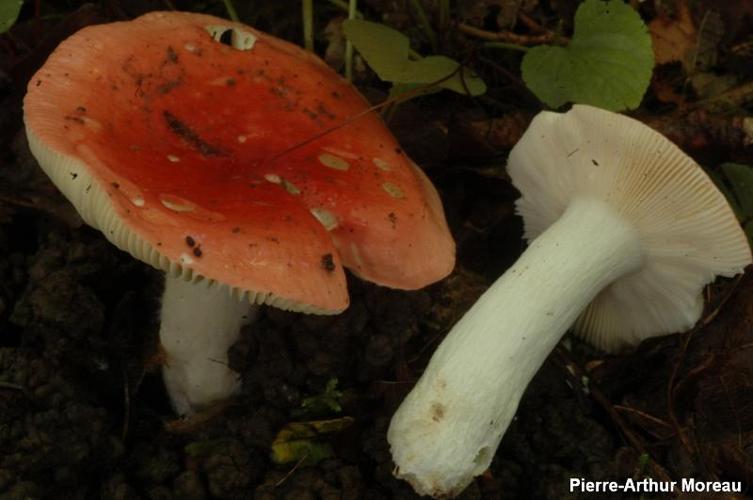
(200, 321)
(448, 429)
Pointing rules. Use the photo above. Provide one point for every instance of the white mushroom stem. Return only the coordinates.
(199, 322)
(448, 428)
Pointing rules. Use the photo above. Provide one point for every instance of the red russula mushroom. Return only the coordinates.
(211, 150)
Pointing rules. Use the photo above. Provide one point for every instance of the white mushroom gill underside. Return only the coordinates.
(91, 201)
(688, 232)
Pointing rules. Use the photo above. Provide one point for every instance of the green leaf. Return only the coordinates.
(388, 53)
(749, 231)
(740, 178)
(326, 402)
(737, 185)
(385, 49)
(608, 62)
(9, 10)
(721, 183)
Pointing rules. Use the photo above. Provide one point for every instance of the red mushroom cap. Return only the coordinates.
(246, 162)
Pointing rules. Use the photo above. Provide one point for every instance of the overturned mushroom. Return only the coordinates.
(238, 163)
(625, 231)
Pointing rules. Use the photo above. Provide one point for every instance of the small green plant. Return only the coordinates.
(736, 183)
(326, 402)
(608, 62)
(9, 10)
(388, 53)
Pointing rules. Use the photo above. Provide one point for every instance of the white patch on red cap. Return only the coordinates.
(325, 217)
(334, 162)
(393, 190)
(381, 164)
(177, 204)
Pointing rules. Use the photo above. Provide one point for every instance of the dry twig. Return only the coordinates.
(510, 37)
(576, 374)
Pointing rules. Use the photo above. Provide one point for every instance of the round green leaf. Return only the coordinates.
(9, 10)
(607, 64)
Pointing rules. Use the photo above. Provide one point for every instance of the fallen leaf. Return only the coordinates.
(673, 37)
(302, 441)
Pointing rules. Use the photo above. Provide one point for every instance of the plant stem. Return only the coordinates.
(352, 4)
(230, 8)
(444, 16)
(308, 24)
(343, 5)
(388, 113)
(505, 45)
(424, 24)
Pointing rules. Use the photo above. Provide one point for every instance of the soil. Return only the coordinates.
(84, 414)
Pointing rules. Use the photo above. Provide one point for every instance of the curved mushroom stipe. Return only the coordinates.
(625, 232)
